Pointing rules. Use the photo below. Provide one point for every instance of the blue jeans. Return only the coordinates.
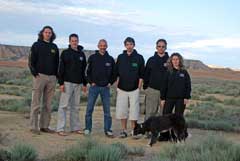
(93, 93)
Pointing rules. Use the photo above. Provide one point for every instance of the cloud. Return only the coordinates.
(114, 13)
(14, 38)
(105, 17)
(208, 43)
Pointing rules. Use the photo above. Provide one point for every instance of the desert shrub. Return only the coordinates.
(78, 152)
(211, 148)
(16, 76)
(136, 151)
(15, 90)
(232, 102)
(104, 153)
(23, 152)
(5, 155)
(195, 96)
(213, 116)
(91, 150)
(19, 105)
(123, 149)
(215, 86)
(210, 99)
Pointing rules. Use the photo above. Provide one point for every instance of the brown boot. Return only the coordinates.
(47, 130)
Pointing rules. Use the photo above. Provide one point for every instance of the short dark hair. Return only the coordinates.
(162, 40)
(129, 39)
(73, 35)
(40, 34)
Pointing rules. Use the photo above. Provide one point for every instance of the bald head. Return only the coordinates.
(102, 41)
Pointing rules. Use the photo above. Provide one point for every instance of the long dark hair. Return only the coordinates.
(169, 62)
(40, 34)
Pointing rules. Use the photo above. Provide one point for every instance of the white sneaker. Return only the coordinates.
(109, 134)
(87, 132)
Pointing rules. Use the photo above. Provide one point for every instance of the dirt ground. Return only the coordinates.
(14, 128)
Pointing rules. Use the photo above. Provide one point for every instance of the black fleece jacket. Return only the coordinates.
(100, 69)
(72, 66)
(155, 71)
(43, 58)
(177, 85)
(129, 69)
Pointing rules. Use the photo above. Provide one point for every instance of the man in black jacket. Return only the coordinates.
(100, 76)
(155, 72)
(130, 72)
(43, 64)
(71, 78)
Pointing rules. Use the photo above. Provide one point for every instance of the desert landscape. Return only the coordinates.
(213, 117)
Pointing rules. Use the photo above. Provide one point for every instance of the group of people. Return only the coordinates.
(164, 79)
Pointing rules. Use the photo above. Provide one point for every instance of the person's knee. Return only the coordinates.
(35, 110)
(107, 114)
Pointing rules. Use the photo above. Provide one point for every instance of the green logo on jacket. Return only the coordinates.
(134, 65)
(53, 51)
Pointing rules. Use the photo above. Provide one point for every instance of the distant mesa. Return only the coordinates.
(10, 54)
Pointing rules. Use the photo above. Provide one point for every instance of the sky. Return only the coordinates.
(198, 29)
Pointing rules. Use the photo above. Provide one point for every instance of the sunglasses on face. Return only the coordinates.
(161, 47)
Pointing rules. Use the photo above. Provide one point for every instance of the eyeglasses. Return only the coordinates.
(161, 47)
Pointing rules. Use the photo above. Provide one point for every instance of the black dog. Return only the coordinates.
(174, 123)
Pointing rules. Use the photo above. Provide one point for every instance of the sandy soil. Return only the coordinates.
(15, 128)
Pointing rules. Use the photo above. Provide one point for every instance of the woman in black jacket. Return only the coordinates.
(177, 88)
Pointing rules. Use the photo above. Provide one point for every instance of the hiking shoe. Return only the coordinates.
(123, 134)
(109, 134)
(47, 130)
(87, 132)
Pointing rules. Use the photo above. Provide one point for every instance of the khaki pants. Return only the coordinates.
(152, 102)
(43, 87)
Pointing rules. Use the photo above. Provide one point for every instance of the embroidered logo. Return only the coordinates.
(181, 75)
(53, 51)
(134, 65)
(165, 64)
(81, 58)
(108, 64)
